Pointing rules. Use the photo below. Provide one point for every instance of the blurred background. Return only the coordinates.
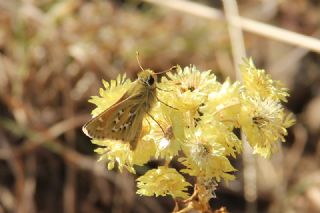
(53, 56)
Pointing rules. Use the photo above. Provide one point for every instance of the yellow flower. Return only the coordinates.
(112, 93)
(257, 83)
(223, 105)
(219, 133)
(115, 152)
(188, 88)
(163, 181)
(191, 79)
(167, 132)
(144, 152)
(264, 122)
(205, 157)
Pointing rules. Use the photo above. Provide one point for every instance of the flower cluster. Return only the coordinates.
(194, 122)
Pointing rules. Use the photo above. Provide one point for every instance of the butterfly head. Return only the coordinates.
(148, 78)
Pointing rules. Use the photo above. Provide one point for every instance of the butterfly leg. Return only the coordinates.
(156, 122)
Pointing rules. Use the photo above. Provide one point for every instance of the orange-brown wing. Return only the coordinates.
(121, 121)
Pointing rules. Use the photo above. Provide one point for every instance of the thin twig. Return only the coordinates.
(51, 133)
(69, 194)
(17, 170)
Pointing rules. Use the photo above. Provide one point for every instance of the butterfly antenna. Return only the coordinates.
(163, 89)
(137, 56)
(167, 70)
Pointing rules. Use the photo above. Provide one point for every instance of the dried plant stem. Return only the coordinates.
(236, 35)
(238, 52)
(191, 8)
(246, 24)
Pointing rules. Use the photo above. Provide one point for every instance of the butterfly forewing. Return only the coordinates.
(123, 120)
(113, 120)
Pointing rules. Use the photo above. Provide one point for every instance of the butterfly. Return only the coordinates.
(123, 119)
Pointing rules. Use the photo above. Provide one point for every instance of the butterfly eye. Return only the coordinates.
(150, 80)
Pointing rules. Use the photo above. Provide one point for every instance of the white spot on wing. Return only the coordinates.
(117, 120)
(120, 112)
(114, 129)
